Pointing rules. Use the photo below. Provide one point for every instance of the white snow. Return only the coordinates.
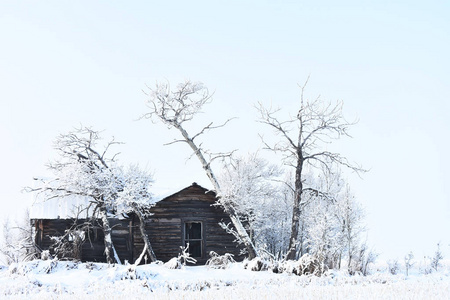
(61, 279)
(58, 208)
(67, 207)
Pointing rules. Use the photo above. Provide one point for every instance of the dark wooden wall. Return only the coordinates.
(93, 247)
(166, 226)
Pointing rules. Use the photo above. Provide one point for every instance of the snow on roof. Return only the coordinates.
(59, 208)
(160, 193)
(68, 206)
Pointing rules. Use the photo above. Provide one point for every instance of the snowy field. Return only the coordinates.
(67, 280)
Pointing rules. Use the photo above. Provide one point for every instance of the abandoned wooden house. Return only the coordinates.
(185, 217)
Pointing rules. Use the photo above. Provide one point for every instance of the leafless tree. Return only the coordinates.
(363, 260)
(85, 171)
(436, 259)
(393, 266)
(409, 262)
(17, 242)
(175, 109)
(350, 215)
(302, 137)
(69, 245)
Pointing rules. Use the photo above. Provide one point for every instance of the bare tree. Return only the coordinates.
(17, 242)
(350, 215)
(85, 171)
(70, 244)
(175, 108)
(363, 260)
(409, 262)
(301, 143)
(393, 266)
(134, 197)
(436, 259)
(248, 184)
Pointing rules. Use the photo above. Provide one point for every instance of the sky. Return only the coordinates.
(64, 63)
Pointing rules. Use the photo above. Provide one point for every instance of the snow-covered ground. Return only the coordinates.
(68, 280)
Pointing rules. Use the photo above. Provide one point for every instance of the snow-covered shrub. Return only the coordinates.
(285, 267)
(219, 261)
(409, 262)
(183, 258)
(308, 265)
(394, 266)
(52, 265)
(69, 245)
(436, 259)
(425, 266)
(17, 241)
(363, 261)
(45, 255)
(173, 263)
(130, 273)
(90, 266)
(257, 264)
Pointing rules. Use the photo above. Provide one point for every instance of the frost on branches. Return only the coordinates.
(17, 242)
(302, 144)
(177, 107)
(247, 183)
(86, 168)
(277, 213)
(331, 222)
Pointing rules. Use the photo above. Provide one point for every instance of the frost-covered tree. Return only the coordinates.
(437, 257)
(136, 198)
(409, 262)
(86, 168)
(330, 223)
(303, 140)
(393, 266)
(8, 248)
(350, 215)
(17, 242)
(177, 107)
(363, 260)
(323, 237)
(275, 232)
(322, 240)
(247, 183)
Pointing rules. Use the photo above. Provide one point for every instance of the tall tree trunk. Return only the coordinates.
(350, 256)
(228, 207)
(292, 251)
(147, 245)
(109, 246)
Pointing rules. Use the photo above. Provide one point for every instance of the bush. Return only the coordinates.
(219, 261)
(308, 265)
(394, 266)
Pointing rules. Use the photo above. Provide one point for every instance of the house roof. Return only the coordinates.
(193, 186)
(67, 207)
(59, 208)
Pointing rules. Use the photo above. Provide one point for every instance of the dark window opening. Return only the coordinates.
(194, 238)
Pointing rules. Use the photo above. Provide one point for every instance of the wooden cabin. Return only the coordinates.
(187, 217)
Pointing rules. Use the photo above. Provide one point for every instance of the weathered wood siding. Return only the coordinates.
(93, 248)
(166, 226)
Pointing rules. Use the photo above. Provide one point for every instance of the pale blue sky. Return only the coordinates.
(64, 63)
